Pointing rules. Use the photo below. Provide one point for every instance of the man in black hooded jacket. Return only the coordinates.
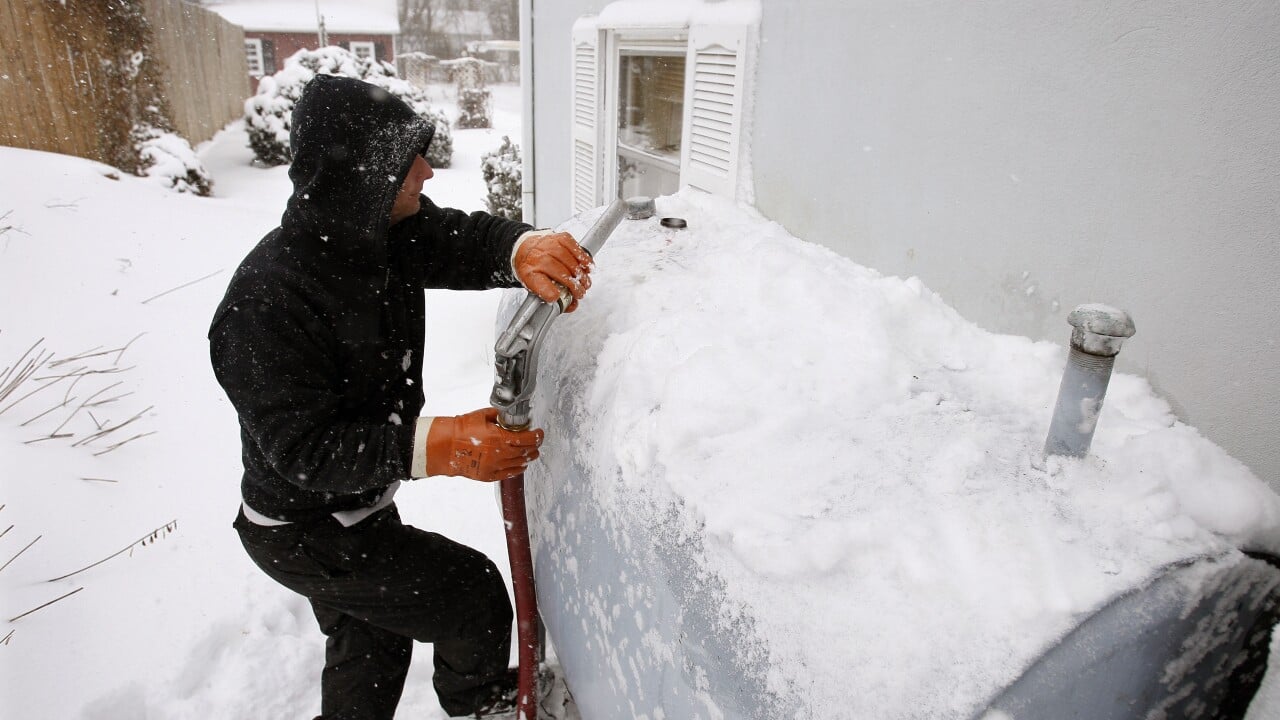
(318, 344)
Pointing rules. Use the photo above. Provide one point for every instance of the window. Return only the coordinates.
(268, 57)
(253, 54)
(650, 123)
(363, 50)
(655, 109)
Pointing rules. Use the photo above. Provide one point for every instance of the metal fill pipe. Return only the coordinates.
(516, 356)
(1098, 333)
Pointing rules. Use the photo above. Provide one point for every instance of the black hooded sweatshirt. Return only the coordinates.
(318, 341)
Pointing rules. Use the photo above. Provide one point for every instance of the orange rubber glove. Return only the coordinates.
(548, 263)
(475, 446)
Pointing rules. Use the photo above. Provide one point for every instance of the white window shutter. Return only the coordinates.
(586, 173)
(715, 73)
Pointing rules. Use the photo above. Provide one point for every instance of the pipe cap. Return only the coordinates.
(1100, 329)
(640, 207)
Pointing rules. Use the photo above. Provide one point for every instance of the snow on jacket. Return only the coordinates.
(318, 341)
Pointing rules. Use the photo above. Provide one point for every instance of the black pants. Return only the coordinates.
(376, 587)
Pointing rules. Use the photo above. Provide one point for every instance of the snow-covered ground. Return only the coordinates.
(797, 407)
(183, 626)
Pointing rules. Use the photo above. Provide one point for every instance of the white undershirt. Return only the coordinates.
(346, 517)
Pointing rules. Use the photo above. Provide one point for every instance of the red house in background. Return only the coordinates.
(276, 29)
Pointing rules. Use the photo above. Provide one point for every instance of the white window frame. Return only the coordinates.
(718, 64)
(357, 45)
(253, 55)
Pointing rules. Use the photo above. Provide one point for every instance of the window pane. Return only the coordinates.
(253, 53)
(650, 119)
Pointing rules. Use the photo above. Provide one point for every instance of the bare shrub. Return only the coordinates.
(75, 396)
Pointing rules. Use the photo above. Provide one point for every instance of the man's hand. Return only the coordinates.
(475, 446)
(548, 262)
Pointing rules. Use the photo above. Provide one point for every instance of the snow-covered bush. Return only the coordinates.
(502, 175)
(268, 113)
(473, 108)
(167, 156)
(440, 151)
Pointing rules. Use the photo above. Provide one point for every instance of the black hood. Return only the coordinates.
(353, 144)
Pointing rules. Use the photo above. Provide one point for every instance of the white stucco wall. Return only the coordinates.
(1024, 157)
(552, 30)
(1021, 158)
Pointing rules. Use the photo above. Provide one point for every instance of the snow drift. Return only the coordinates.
(770, 466)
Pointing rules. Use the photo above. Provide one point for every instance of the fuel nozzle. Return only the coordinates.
(516, 352)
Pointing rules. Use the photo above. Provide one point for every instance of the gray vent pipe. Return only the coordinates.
(1099, 331)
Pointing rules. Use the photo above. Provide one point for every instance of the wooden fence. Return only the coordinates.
(55, 96)
(207, 78)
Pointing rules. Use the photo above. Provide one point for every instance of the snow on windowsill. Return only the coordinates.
(678, 13)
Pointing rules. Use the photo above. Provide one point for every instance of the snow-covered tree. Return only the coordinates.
(473, 108)
(132, 114)
(502, 174)
(438, 26)
(268, 113)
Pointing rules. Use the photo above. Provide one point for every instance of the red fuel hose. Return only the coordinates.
(513, 513)
(515, 367)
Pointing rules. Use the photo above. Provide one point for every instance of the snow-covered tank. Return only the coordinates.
(777, 484)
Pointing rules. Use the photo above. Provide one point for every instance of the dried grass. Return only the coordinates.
(86, 385)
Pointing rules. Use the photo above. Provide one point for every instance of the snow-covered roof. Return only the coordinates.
(456, 62)
(340, 16)
(512, 46)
